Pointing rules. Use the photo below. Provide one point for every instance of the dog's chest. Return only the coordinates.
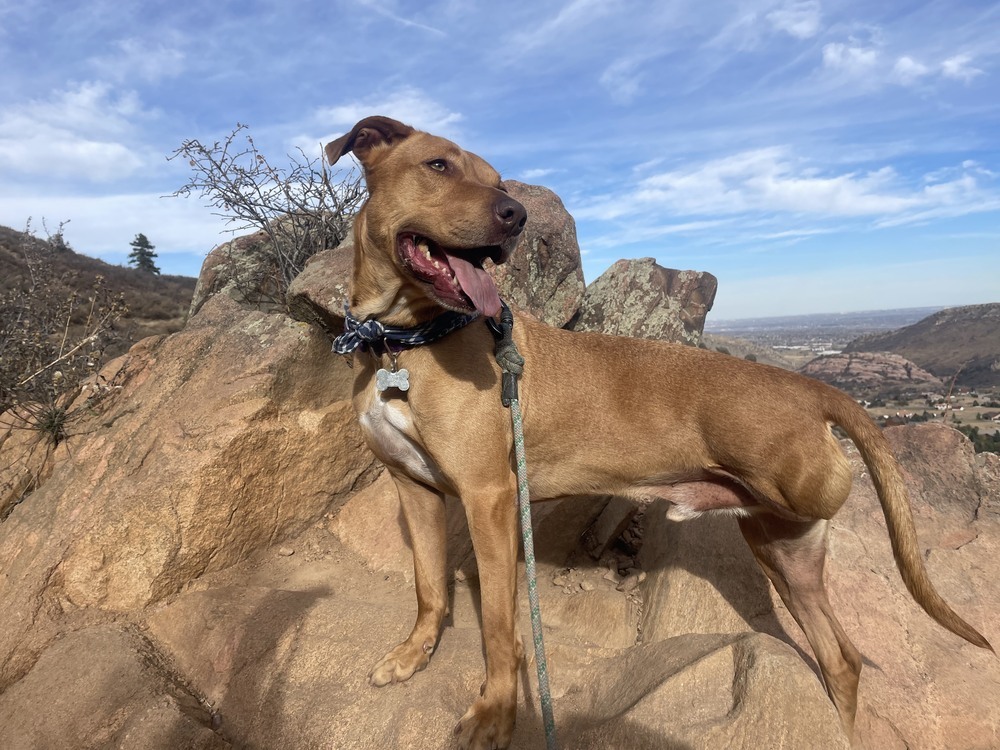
(388, 427)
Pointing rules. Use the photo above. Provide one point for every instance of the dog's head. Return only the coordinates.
(437, 210)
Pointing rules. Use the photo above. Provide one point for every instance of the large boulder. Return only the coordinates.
(319, 294)
(222, 439)
(279, 649)
(256, 269)
(543, 276)
(244, 269)
(643, 299)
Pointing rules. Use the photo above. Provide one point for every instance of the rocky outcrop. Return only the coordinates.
(244, 269)
(223, 439)
(212, 559)
(319, 294)
(960, 342)
(641, 298)
(865, 374)
(543, 276)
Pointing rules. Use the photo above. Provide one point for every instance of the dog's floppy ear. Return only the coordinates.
(366, 136)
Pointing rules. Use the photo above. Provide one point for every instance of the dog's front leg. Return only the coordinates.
(424, 513)
(492, 515)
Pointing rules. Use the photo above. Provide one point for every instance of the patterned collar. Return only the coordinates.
(382, 338)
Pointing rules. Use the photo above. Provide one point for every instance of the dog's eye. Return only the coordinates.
(438, 165)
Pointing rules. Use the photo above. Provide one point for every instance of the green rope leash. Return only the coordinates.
(512, 364)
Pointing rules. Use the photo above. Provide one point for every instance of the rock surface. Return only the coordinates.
(641, 298)
(243, 269)
(864, 372)
(921, 686)
(213, 560)
(104, 687)
(543, 276)
(218, 444)
(319, 294)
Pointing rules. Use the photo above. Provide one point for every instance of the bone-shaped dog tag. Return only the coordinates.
(384, 379)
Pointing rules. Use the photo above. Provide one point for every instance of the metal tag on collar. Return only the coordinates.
(394, 378)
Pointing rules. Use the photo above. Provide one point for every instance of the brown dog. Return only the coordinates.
(715, 433)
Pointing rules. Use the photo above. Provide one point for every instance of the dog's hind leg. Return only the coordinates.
(792, 554)
(424, 513)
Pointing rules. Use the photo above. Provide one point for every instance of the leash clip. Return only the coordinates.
(507, 356)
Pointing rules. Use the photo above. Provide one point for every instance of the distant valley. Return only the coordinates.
(799, 338)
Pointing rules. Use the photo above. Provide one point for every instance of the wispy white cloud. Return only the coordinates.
(381, 7)
(907, 70)
(571, 17)
(631, 233)
(149, 60)
(621, 79)
(772, 181)
(798, 19)
(960, 68)
(410, 105)
(536, 173)
(852, 57)
(81, 131)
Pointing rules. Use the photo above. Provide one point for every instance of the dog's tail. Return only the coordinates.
(887, 477)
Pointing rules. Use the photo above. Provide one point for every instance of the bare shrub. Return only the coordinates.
(301, 209)
(52, 338)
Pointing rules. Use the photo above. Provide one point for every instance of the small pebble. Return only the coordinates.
(631, 582)
(586, 586)
(286, 551)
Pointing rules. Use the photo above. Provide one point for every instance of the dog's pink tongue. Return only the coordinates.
(477, 285)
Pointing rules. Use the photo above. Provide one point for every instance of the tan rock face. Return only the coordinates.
(282, 657)
(641, 298)
(227, 437)
(103, 687)
(318, 294)
(243, 269)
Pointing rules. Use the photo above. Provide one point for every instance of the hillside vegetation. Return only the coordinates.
(963, 340)
(156, 303)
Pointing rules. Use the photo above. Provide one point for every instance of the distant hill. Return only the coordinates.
(157, 303)
(957, 337)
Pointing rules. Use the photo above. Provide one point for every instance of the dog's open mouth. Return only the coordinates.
(457, 278)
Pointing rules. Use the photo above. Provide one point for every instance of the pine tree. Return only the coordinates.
(142, 255)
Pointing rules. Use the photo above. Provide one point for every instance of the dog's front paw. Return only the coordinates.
(486, 726)
(400, 663)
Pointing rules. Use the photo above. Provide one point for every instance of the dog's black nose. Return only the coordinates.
(511, 215)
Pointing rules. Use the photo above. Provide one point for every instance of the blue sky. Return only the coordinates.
(814, 156)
